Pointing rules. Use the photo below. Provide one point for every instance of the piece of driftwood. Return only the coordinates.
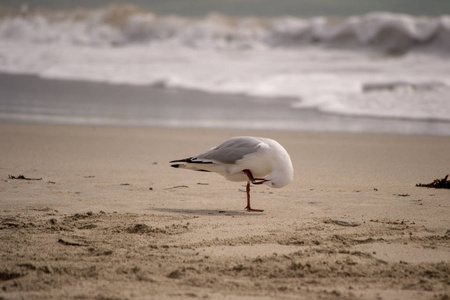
(443, 183)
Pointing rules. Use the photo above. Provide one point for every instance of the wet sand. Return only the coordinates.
(109, 219)
(35, 100)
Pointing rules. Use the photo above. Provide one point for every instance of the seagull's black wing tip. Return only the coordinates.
(175, 166)
(181, 160)
(191, 160)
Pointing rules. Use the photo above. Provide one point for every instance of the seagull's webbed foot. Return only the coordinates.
(253, 179)
(259, 180)
(248, 208)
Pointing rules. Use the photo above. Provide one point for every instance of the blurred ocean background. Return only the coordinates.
(316, 65)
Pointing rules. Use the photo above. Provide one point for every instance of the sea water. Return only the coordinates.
(393, 66)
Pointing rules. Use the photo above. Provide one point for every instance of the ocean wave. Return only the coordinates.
(395, 99)
(127, 25)
(317, 63)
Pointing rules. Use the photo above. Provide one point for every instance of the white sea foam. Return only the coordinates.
(380, 64)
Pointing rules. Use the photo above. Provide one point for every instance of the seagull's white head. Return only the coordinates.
(280, 179)
(283, 171)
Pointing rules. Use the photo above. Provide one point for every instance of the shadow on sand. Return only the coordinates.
(207, 212)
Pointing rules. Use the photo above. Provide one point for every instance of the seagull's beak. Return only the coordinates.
(269, 183)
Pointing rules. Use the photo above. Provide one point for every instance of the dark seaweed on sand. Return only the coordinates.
(443, 183)
(22, 177)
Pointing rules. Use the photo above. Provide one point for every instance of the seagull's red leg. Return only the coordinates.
(251, 179)
(249, 174)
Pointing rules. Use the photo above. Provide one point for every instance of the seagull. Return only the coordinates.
(256, 160)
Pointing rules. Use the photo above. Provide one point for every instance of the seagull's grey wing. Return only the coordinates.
(231, 150)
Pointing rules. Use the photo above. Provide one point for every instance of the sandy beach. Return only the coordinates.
(109, 219)
(97, 97)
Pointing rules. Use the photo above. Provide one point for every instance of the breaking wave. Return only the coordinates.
(125, 25)
(379, 64)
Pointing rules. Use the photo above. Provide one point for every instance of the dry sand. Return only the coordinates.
(111, 220)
